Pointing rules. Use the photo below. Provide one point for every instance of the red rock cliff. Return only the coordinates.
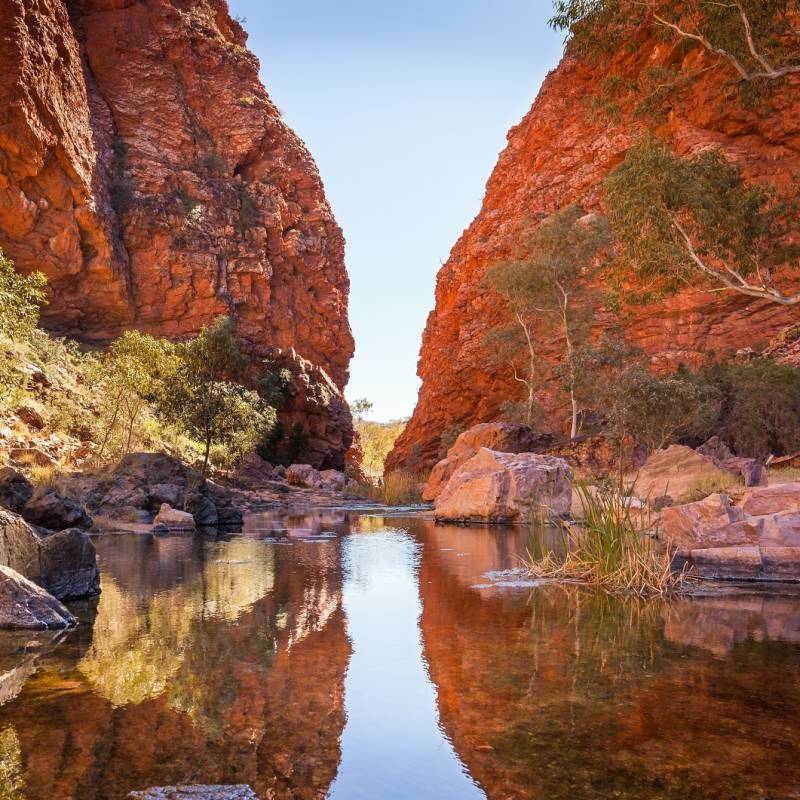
(146, 172)
(556, 156)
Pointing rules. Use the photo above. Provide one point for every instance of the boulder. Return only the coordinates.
(52, 510)
(756, 539)
(676, 472)
(15, 489)
(749, 470)
(23, 604)
(304, 475)
(506, 488)
(31, 416)
(31, 455)
(333, 480)
(502, 437)
(781, 498)
(68, 565)
(174, 520)
(63, 563)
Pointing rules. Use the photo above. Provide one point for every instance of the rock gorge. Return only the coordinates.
(145, 170)
(558, 155)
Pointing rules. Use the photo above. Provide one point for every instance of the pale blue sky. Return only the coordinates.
(405, 105)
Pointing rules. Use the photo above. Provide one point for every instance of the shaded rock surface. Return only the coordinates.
(145, 170)
(52, 510)
(506, 488)
(15, 489)
(23, 604)
(558, 155)
(142, 482)
(757, 538)
(502, 437)
(63, 563)
(303, 475)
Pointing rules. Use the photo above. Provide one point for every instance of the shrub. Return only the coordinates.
(759, 410)
(659, 410)
(203, 397)
(21, 297)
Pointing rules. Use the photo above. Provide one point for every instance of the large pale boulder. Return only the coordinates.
(756, 539)
(333, 480)
(506, 488)
(23, 604)
(172, 519)
(502, 437)
(676, 472)
(304, 476)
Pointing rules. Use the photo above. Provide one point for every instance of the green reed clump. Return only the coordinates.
(613, 548)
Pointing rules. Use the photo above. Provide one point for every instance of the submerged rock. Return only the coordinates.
(23, 604)
(506, 487)
(232, 792)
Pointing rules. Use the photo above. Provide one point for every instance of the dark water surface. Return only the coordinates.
(359, 657)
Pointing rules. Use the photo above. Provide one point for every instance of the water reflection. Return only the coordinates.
(359, 657)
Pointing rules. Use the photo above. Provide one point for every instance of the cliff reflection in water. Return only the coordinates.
(197, 667)
(364, 657)
(562, 693)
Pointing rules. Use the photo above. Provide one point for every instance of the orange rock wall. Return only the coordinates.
(556, 156)
(146, 172)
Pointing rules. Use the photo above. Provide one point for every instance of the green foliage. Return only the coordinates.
(759, 413)
(613, 550)
(203, 397)
(545, 287)
(377, 440)
(659, 410)
(361, 407)
(695, 221)
(274, 383)
(719, 28)
(132, 373)
(21, 296)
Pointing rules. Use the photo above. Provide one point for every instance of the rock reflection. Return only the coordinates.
(562, 693)
(717, 624)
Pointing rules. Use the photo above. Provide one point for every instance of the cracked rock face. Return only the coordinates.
(558, 155)
(145, 170)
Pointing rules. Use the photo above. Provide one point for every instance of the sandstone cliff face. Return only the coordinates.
(556, 156)
(146, 172)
